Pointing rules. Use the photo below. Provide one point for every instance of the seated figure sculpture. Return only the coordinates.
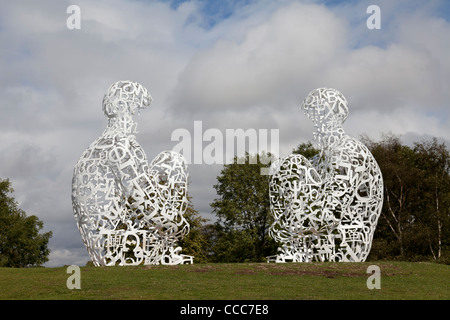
(326, 208)
(129, 212)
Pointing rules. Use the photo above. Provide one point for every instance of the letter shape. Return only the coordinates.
(74, 20)
(74, 281)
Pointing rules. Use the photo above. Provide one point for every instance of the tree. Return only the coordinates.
(196, 242)
(243, 211)
(434, 200)
(306, 149)
(400, 178)
(21, 244)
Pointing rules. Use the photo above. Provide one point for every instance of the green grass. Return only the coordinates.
(239, 281)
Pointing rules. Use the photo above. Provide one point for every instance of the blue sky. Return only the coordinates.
(216, 10)
(229, 64)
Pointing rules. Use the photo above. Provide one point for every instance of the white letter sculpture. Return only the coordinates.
(326, 209)
(128, 211)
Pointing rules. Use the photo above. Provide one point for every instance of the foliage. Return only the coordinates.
(21, 244)
(306, 149)
(414, 223)
(243, 211)
(196, 242)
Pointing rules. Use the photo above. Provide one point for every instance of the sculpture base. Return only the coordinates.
(132, 248)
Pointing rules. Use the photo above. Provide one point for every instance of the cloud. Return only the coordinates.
(266, 66)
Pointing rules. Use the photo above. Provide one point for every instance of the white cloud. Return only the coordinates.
(61, 257)
(268, 65)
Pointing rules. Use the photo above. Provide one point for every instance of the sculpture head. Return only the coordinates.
(327, 108)
(124, 98)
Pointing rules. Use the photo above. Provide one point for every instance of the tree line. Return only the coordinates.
(413, 225)
(414, 222)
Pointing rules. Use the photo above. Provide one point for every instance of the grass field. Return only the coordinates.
(249, 281)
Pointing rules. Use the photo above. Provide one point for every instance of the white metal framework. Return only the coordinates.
(129, 212)
(326, 208)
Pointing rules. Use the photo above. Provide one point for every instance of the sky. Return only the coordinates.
(229, 64)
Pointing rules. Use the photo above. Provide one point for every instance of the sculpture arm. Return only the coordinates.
(291, 187)
(170, 172)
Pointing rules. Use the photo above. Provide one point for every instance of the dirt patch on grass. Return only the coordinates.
(245, 271)
(207, 268)
(328, 270)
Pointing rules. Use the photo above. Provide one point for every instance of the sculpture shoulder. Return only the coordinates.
(113, 147)
(110, 142)
(349, 147)
(281, 165)
(352, 152)
(125, 140)
(295, 166)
